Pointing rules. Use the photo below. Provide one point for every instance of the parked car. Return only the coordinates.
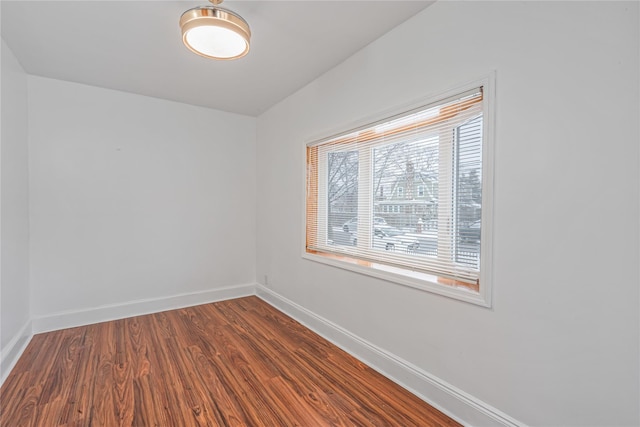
(351, 226)
(391, 239)
(470, 233)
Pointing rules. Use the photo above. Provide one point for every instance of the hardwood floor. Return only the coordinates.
(232, 363)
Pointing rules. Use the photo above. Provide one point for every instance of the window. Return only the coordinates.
(438, 243)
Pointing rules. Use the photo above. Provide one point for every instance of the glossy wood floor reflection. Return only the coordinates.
(231, 363)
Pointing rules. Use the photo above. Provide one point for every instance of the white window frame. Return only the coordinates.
(419, 280)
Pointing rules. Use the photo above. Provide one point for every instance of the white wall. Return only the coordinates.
(14, 215)
(561, 344)
(135, 198)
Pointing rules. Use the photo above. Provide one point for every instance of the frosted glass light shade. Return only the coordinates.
(215, 33)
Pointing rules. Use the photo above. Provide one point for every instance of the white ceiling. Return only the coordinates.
(136, 46)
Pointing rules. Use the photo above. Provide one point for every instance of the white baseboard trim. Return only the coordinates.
(12, 351)
(454, 402)
(70, 319)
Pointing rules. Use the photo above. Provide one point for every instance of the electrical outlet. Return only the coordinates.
(266, 280)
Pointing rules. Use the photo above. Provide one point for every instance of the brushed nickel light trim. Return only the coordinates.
(214, 32)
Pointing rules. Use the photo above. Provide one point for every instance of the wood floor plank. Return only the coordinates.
(292, 373)
(232, 363)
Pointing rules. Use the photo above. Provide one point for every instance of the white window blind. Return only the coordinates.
(404, 192)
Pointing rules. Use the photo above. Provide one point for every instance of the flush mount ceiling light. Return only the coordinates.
(214, 32)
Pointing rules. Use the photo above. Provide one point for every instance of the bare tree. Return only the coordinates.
(342, 186)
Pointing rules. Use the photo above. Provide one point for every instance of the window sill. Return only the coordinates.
(426, 282)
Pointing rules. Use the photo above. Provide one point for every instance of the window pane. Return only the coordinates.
(410, 169)
(342, 197)
(468, 190)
